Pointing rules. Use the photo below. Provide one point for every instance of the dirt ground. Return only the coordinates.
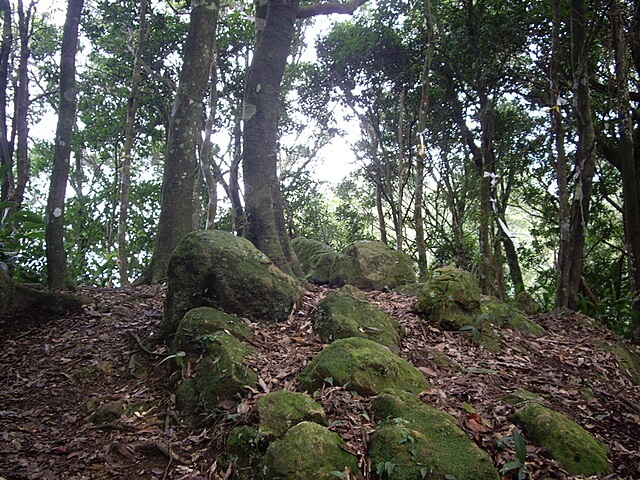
(54, 373)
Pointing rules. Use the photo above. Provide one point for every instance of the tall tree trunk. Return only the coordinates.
(571, 260)
(58, 275)
(23, 165)
(399, 216)
(176, 206)
(129, 138)
(560, 164)
(262, 106)
(208, 175)
(6, 147)
(628, 167)
(425, 93)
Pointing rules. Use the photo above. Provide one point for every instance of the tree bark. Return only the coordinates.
(6, 147)
(129, 138)
(425, 93)
(176, 206)
(261, 109)
(58, 275)
(23, 164)
(209, 175)
(628, 167)
(570, 266)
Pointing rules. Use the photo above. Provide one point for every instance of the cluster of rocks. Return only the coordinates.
(216, 280)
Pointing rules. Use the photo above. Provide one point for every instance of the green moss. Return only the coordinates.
(280, 410)
(245, 449)
(361, 365)
(416, 441)
(341, 315)
(564, 440)
(316, 259)
(500, 314)
(519, 396)
(218, 269)
(222, 373)
(628, 361)
(308, 450)
(187, 400)
(372, 265)
(451, 298)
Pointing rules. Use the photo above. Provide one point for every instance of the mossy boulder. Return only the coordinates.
(223, 372)
(198, 323)
(218, 269)
(245, 448)
(628, 360)
(563, 439)
(372, 265)
(316, 259)
(415, 441)
(308, 450)
(500, 314)
(450, 298)
(187, 400)
(280, 410)
(341, 315)
(361, 365)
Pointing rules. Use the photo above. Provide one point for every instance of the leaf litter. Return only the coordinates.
(54, 373)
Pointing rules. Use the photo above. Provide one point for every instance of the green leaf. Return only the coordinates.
(521, 446)
(509, 466)
(4, 169)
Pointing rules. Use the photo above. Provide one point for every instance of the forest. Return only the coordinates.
(498, 137)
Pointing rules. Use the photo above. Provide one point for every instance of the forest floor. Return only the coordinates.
(50, 369)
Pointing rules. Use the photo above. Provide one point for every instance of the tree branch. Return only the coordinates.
(346, 8)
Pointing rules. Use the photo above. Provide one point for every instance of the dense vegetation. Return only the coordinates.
(500, 137)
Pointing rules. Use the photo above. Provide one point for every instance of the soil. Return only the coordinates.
(55, 372)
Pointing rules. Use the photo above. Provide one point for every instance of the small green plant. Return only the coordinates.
(517, 466)
(385, 468)
(476, 327)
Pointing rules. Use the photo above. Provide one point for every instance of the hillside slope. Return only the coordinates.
(54, 374)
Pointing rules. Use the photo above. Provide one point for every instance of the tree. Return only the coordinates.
(176, 206)
(571, 257)
(266, 226)
(58, 275)
(129, 138)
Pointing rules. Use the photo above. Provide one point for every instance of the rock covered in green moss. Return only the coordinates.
(316, 259)
(372, 265)
(341, 315)
(223, 372)
(308, 450)
(218, 269)
(415, 441)
(187, 400)
(628, 360)
(500, 314)
(280, 410)
(361, 365)
(245, 448)
(450, 298)
(563, 439)
(200, 322)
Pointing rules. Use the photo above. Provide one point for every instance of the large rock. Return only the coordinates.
(308, 450)
(280, 410)
(223, 372)
(500, 314)
(316, 259)
(563, 439)
(414, 440)
(372, 265)
(341, 315)
(450, 298)
(362, 365)
(218, 269)
(199, 323)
